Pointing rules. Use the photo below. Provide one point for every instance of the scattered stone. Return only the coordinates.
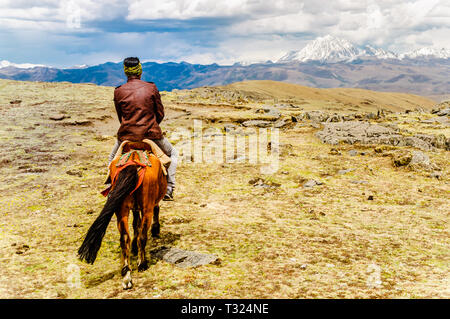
(78, 123)
(444, 120)
(420, 161)
(269, 111)
(22, 249)
(311, 183)
(229, 127)
(441, 141)
(370, 197)
(280, 123)
(359, 182)
(303, 266)
(435, 174)
(444, 112)
(74, 173)
(257, 123)
(441, 106)
(58, 117)
(334, 151)
(345, 171)
(371, 116)
(259, 182)
(316, 116)
(184, 258)
(181, 219)
(334, 118)
(352, 153)
(401, 159)
(417, 143)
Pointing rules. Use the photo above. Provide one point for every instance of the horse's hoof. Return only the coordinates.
(127, 286)
(127, 283)
(143, 266)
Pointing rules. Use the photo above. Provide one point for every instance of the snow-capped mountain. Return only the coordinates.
(330, 49)
(324, 49)
(78, 66)
(427, 52)
(5, 64)
(369, 50)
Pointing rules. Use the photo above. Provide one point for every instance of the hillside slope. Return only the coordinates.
(344, 97)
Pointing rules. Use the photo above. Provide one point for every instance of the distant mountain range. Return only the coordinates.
(325, 62)
(330, 49)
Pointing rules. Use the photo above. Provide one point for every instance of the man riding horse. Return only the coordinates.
(138, 178)
(140, 111)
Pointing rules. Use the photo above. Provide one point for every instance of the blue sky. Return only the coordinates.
(74, 32)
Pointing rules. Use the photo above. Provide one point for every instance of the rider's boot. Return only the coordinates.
(169, 194)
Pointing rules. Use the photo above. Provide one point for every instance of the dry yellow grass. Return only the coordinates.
(285, 242)
(344, 98)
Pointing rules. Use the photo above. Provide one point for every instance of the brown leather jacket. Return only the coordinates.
(139, 108)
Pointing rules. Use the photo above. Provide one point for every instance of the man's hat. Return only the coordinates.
(132, 66)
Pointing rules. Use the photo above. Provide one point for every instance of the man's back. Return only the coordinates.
(139, 108)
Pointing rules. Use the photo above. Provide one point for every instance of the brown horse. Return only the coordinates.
(144, 202)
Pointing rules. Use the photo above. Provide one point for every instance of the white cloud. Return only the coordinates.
(183, 10)
(220, 31)
(54, 15)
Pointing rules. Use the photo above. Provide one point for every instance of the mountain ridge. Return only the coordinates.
(330, 49)
(337, 63)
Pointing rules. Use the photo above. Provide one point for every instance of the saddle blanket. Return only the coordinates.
(133, 157)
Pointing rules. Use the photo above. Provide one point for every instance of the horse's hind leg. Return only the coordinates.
(136, 226)
(125, 243)
(147, 215)
(155, 225)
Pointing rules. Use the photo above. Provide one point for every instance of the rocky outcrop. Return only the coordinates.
(440, 107)
(318, 116)
(368, 133)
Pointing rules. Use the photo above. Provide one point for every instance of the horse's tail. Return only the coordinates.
(126, 182)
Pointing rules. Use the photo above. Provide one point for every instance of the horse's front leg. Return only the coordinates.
(125, 242)
(155, 225)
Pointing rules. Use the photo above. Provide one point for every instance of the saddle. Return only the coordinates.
(136, 153)
(144, 145)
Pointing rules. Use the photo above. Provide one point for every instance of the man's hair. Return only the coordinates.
(131, 62)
